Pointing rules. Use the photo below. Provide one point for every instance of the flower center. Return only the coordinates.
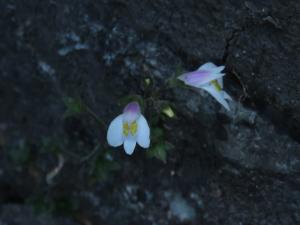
(216, 85)
(129, 128)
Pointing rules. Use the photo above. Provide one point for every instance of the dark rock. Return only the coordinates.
(262, 53)
(255, 143)
(237, 167)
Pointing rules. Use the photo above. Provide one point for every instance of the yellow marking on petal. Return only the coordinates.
(216, 85)
(130, 128)
(126, 129)
(133, 128)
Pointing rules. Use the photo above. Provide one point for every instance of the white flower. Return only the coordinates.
(129, 128)
(209, 78)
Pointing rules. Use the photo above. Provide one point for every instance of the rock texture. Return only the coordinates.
(237, 167)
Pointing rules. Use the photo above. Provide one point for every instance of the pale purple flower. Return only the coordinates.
(209, 78)
(129, 128)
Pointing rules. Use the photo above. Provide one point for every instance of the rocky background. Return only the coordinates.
(68, 67)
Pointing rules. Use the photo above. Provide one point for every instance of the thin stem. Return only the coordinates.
(93, 114)
(87, 157)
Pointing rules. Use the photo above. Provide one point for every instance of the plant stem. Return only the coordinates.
(93, 114)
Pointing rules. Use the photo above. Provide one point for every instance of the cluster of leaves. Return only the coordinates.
(101, 164)
(102, 167)
(160, 146)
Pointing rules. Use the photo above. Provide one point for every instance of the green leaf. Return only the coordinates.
(38, 204)
(50, 144)
(74, 106)
(157, 135)
(103, 167)
(173, 81)
(159, 151)
(20, 155)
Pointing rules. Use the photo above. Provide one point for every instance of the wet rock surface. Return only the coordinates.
(237, 167)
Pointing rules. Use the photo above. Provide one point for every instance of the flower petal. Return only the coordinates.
(115, 132)
(131, 111)
(220, 81)
(218, 95)
(207, 66)
(182, 77)
(211, 67)
(198, 78)
(129, 145)
(143, 134)
(226, 96)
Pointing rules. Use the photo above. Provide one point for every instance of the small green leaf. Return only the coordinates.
(157, 135)
(159, 151)
(159, 146)
(74, 106)
(103, 167)
(175, 82)
(38, 204)
(20, 155)
(50, 144)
